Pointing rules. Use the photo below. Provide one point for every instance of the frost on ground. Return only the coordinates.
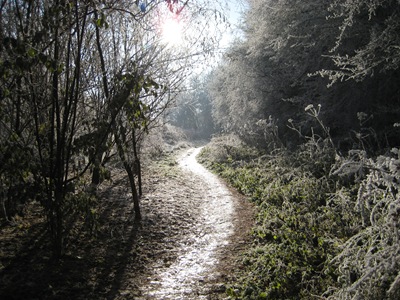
(187, 245)
(213, 228)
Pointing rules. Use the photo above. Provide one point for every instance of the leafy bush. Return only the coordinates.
(227, 149)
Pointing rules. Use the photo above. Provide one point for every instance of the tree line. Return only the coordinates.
(341, 55)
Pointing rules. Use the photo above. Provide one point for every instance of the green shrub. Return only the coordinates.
(304, 216)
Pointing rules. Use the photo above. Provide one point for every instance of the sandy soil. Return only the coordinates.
(187, 246)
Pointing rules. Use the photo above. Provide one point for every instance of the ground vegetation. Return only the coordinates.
(326, 227)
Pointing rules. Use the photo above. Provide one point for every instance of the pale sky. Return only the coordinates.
(234, 13)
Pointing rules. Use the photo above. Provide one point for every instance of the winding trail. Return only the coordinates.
(199, 253)
(187, 245)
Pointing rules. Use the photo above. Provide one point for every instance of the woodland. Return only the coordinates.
(300, 114)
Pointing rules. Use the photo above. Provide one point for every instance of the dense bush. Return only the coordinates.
(327, 227)
(368, 263)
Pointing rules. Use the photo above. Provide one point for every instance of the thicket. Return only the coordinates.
(309, 98)
(341, 54)
(327, 226)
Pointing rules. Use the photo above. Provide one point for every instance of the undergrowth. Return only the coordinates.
(327, 226)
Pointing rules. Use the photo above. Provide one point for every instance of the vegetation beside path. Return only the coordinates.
(327, 226)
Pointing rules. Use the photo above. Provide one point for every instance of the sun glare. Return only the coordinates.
(172, 32)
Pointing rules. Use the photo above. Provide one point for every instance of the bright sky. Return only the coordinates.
(236, 9)
(172, 28)
(172, 32)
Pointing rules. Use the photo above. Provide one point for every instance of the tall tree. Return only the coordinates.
(45, 41)
(268, 69)
(366, 56)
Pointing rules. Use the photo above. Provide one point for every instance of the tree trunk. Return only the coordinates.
(98, 156)
(137, 165)
(139, 174)
(96, 180)
(135, 195)
(56, 162)
(58, 232)
(129, 170)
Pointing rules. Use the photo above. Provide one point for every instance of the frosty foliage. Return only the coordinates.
(368, 264)
(328, 225)
(380, 54)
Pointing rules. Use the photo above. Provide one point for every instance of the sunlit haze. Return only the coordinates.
(171, 31)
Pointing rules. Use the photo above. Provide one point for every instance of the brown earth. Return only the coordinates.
(123, 258)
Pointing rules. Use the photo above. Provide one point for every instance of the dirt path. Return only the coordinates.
(187, 245)
(194, 274)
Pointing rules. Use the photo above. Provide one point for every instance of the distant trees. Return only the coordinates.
(192, 110)
(273, 73)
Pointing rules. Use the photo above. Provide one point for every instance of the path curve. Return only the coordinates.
(214, 227)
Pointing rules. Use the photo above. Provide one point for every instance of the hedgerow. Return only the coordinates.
(327, 226)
